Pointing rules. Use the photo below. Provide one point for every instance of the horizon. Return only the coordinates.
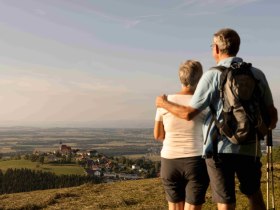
(91, 63)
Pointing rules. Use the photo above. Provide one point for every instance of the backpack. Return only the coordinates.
(243, 121)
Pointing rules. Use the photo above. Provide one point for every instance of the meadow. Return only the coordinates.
(144, 194)
(58, 169)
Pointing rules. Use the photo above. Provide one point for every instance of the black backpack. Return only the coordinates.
(243, 121)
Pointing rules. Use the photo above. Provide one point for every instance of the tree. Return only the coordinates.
(42, 159)
(33, 157)
(26, 156)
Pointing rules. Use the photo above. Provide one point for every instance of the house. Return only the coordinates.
(135, 167)
(92, 153)
(110, 175)
(64, 149)
(128, 176)
(97, 173)
(51, 158)
(95, 168)
(81, 153)
(93, 172)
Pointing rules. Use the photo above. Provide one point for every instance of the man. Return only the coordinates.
(231, 159)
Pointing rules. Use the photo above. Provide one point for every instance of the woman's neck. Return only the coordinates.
(186, 91)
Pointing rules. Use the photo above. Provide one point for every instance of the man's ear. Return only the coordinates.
(216, 48)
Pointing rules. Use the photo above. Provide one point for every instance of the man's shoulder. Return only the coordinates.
(212, 72)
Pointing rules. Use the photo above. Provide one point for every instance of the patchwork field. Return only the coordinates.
(111, 142)
(58, 169)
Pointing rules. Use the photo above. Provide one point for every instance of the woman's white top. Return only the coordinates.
(182, 138)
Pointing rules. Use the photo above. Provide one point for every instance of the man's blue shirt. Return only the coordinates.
(207, 94)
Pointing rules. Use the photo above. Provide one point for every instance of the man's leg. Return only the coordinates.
(256, 201)
(249, 175)
(222, 181)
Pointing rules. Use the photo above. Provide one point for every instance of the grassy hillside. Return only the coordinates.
(145, 194)
(141, 194)
(58, 169)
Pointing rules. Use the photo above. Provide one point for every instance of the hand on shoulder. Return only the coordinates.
(160, 100)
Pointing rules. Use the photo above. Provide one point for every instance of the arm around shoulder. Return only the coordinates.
(183, 112)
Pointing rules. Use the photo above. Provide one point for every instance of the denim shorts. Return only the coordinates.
(222, 172)
(185, 179)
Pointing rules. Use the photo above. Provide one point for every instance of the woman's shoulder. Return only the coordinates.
(179, 98)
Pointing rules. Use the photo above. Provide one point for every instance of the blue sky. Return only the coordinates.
(102, 63)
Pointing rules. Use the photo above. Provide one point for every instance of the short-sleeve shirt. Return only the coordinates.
(182, 138)
(207, 94)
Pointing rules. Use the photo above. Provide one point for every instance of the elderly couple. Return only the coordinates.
(181, 119)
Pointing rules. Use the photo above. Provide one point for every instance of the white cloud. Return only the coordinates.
(76, 96)
(206, 7)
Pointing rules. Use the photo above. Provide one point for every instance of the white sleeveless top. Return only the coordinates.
(182, 138)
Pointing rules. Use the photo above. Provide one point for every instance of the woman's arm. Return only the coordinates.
(159, 132)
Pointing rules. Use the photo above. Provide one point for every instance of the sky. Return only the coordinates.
(101, 63)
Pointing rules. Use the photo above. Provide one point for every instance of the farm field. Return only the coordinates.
(112, 142)
(58, 169)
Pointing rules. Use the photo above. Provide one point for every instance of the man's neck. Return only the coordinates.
(222, 57)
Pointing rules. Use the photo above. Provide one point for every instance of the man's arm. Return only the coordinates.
(184, 112)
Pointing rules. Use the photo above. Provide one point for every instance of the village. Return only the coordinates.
(110, 169)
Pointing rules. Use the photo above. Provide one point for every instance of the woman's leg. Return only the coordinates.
(192, 207)
(176, 206)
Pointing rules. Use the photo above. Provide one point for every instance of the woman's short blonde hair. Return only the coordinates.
(190, 73)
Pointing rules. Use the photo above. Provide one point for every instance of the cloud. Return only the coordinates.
(186, 8)
(58, 83)
(205, 7)
(126, 22)
(59, 97)
(40, 12)
(217, 3)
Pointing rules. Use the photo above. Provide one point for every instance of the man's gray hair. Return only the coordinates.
(228, 41)
(190, 73)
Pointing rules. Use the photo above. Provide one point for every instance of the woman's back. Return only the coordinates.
(182, 138)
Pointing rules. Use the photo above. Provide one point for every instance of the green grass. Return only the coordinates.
(144, 194)
(58, 169)
(147, 194)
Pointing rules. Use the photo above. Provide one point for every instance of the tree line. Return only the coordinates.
(24, 180)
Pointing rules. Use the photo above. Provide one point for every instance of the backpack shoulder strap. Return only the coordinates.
(213, 120)
(223, 78)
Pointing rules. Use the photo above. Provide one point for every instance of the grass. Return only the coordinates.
(55, 168)
(144, 194)
(141, 194)
(147, 194)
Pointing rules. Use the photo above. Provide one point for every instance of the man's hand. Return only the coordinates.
(160, 100)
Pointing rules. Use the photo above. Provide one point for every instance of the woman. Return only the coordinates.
(183, 170)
